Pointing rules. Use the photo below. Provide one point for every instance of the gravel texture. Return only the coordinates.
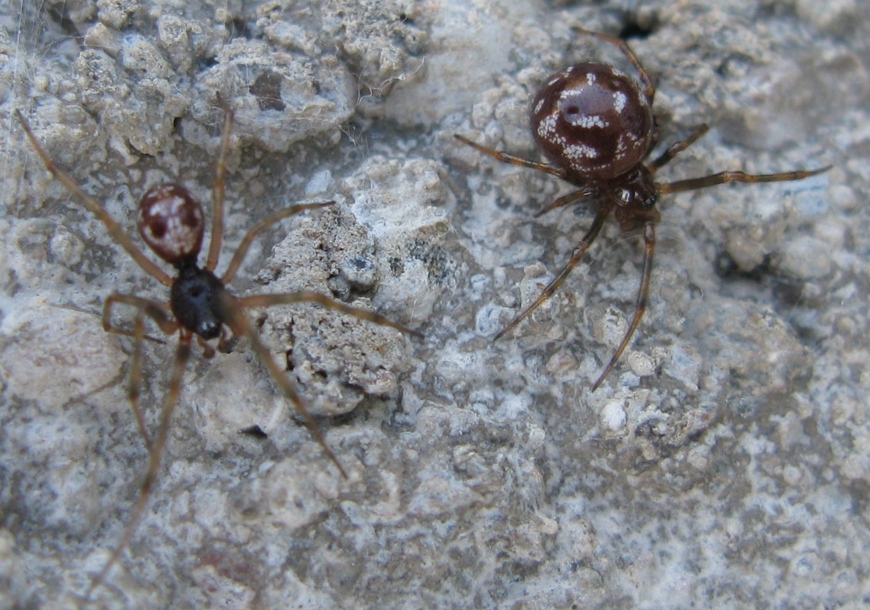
(724, 463)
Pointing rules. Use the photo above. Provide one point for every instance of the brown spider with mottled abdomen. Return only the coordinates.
(172, 224)
(595, 126)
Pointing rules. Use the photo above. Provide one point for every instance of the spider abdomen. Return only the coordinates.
(592, 120)
(172, 223)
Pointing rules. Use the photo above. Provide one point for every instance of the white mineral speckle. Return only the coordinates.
(613, 417)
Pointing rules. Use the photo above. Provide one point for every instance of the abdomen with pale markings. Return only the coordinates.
(592, 120)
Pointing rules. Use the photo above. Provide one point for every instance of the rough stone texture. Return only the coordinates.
(724, 463)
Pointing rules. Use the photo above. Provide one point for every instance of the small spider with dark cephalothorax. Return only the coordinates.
(172, 224)
(596, 127)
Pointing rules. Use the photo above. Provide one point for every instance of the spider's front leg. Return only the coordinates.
(736, 176)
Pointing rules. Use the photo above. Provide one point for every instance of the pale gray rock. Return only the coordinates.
(723, 463)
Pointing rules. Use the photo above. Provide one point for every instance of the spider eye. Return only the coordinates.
(209, 329)
(171, 223)
(624, 195)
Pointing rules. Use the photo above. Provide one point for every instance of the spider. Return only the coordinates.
(595, 126)
(171, 223)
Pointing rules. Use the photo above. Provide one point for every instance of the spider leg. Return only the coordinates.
(649, 89)
(238, 322)
(676, 148)
(96, 208)
(242, 250)
(217, 192)
(512, 159)
(157, 312)
(586, 191)
(136, 375)
(309, 296)
(735, 176)
(155, 454)
(579, 251)
(225, 341)
(649, 241)
(208, 352)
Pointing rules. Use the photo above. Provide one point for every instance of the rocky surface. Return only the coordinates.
(724, 462)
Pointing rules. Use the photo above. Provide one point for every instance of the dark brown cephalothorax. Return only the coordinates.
(594, 124)
(172, 223)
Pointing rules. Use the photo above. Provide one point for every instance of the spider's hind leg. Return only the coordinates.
(649, 240)
(237, 320)
(158, 312)
(512, 159)
(155, 455)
